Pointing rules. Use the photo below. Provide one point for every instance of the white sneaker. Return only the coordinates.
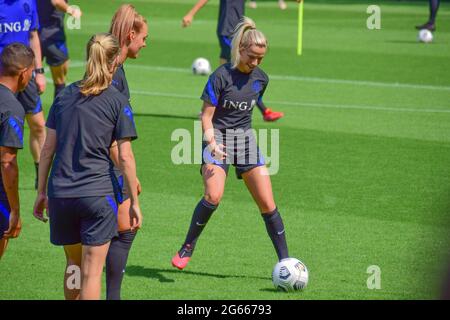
(252, 4)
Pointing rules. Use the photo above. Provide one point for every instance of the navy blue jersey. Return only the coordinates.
(17, 19)
(234, 94)
(85, 128)
(49, 16)
(120, 81)
(230, 12)
(11, 125)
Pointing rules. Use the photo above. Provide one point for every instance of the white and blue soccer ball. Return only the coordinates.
(425, 36)
(201, 66)
(290, 275)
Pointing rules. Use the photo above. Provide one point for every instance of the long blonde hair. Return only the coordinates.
(244, 36)
(102, 51)
(124, 21)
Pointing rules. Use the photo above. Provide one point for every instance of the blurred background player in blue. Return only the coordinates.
(131, 30)
(16, 68)
(431, 23)
(19, 23)
(53, 38)
(230, 12)
(83, 122)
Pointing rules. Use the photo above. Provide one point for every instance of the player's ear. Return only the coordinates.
(132, 35)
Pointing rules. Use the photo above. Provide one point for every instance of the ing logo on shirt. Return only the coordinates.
(15, 26)
(236, 105)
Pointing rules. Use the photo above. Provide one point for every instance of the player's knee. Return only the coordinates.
(213, 197)
(267, 207)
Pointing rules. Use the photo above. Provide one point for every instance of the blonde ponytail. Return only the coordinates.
(244, 36)
(102, 51)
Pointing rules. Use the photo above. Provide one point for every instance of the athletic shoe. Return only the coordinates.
(182, 257)
(429, 26)
(252, 4)
(270, 115)
(282, 4)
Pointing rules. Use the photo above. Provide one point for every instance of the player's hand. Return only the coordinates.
(74, 12)
(187, 20)
(40, 82)
(139, 188)
(218, 151)
(40, 204)
(135, 217)
(15, 226)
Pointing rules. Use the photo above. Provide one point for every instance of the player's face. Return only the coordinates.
(25, 77)
(251, 58)
(137, 41)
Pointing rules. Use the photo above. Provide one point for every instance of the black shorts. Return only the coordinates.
(225, 47)
(243, 159)
(4, 216)
(30, 98)
(53, 46)
(90, 221)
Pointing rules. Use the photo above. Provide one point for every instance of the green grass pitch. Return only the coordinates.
(364, 158)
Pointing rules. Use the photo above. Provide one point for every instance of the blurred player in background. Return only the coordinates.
(53, 38)
(242, 83)
(84, 120)
(130, 28)
(230, 12)
(16, 69)
(431, 23)
(19, 23)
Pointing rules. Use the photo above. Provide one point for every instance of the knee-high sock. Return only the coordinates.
(202, 213)
(116, 261)
(275, 229)
(434, 6)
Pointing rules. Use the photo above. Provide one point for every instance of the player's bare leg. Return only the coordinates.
(72, 274)
(92, 263)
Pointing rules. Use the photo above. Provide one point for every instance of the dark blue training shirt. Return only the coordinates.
(234, 94)
(85, 128)
(11, 125)
(120, 81)
(17, 19)
(230, 12)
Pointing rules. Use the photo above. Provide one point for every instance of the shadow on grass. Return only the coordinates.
(272, 290)
(158, 274)
(168, 116)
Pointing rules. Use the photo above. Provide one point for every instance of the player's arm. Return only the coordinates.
(114, 155)
(45, 162)
(218, 150)
(10, 175)
(62, 5)
(127, 166)
(35, 45)
(187, 19)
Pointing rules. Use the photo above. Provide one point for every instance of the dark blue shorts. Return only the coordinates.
(30, 98)
(4, 216)
(120, 190)
(242, 160)
(225, 47)
(53, 46)
(90, 221)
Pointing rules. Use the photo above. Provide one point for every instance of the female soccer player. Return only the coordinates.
(130, 28)
(230, 12)
(84, 120)
(16, 68)
(53, 38)
(228, 100)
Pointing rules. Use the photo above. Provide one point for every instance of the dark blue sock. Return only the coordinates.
(59, 88)
(116, 262)
(434, 6)
(202, 213)
(275, 229)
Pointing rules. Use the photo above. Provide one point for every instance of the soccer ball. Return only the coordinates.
(425, 36)
(201, 66)
(290, 275)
